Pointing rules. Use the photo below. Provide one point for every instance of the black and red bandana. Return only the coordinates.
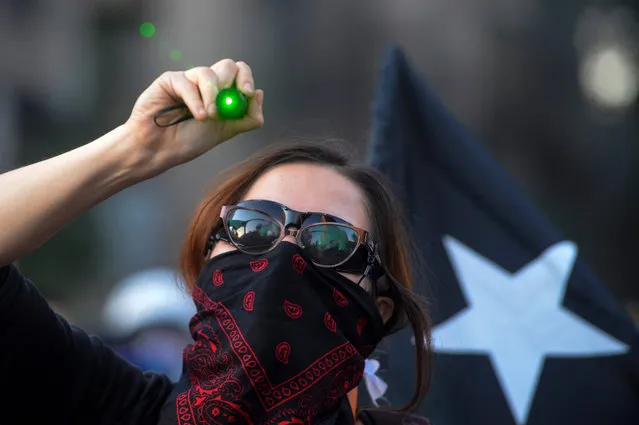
(277, 341)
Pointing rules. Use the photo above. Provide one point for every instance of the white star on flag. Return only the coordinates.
(518, 319)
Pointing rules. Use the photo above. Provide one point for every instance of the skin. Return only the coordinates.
(38, 200)
(311, 187)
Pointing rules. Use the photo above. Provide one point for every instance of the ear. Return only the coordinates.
(386, 306)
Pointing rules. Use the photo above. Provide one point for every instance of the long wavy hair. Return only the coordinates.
(388, 227)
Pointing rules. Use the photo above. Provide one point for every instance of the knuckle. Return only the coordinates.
(190, 73)
(246, 72)
(227, 62)
(194, 74)
(174, 79)
(167, 75)
(180, 76)
(202, 70)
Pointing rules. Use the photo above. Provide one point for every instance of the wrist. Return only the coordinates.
(128, 152)
(122, 155)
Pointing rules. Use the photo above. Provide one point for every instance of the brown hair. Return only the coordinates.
(388, 227)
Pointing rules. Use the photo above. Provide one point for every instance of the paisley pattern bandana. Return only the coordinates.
(277, 340)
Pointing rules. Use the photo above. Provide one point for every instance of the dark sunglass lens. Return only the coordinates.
(329, 244)
(252, 231)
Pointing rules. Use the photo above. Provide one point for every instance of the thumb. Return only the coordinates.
(255, 116)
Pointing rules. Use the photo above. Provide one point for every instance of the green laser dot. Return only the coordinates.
(147, 29)
(229, 100)
(176, 55)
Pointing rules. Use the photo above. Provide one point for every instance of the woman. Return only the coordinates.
(289, 303)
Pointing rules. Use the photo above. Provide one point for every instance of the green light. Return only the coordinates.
(147, 29)
(176, 55)
(231, 104)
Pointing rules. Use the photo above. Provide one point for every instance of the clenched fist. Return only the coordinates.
(198, 87)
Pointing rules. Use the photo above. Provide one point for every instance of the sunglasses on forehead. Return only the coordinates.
(258, 226)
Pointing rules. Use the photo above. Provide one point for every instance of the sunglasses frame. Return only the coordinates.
(292, 218)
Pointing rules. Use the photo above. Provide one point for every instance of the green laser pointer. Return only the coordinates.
(230, 102)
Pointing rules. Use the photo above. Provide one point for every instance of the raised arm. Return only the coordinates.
(56, 373)
(38, 200)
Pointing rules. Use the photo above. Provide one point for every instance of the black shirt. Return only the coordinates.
(55, 373)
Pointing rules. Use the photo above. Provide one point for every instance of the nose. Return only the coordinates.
(290, 235)
(289, 239)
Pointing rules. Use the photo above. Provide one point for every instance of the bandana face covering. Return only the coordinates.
(277, 341)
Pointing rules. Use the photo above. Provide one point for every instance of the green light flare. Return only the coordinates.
(147, 29)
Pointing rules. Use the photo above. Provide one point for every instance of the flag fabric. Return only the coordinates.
(525, 333)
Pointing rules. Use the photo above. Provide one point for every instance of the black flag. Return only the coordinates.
(524, 332)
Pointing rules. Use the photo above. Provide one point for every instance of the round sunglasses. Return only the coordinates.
(258, 226)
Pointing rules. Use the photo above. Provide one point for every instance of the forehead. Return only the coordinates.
(313, 188)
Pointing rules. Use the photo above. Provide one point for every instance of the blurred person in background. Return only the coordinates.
(285, 315)
(146, 318)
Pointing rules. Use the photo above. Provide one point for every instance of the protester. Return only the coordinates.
(289, 303)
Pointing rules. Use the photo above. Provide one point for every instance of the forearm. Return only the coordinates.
(38, 200)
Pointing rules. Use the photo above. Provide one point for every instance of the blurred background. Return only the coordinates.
(549, 86)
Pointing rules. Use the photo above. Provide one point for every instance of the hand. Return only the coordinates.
(166, 147)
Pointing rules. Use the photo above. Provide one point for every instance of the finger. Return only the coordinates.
(206, 80)
(255, 115)
(226, 71)
(244, 79)
(177, 85)
(255, 111)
